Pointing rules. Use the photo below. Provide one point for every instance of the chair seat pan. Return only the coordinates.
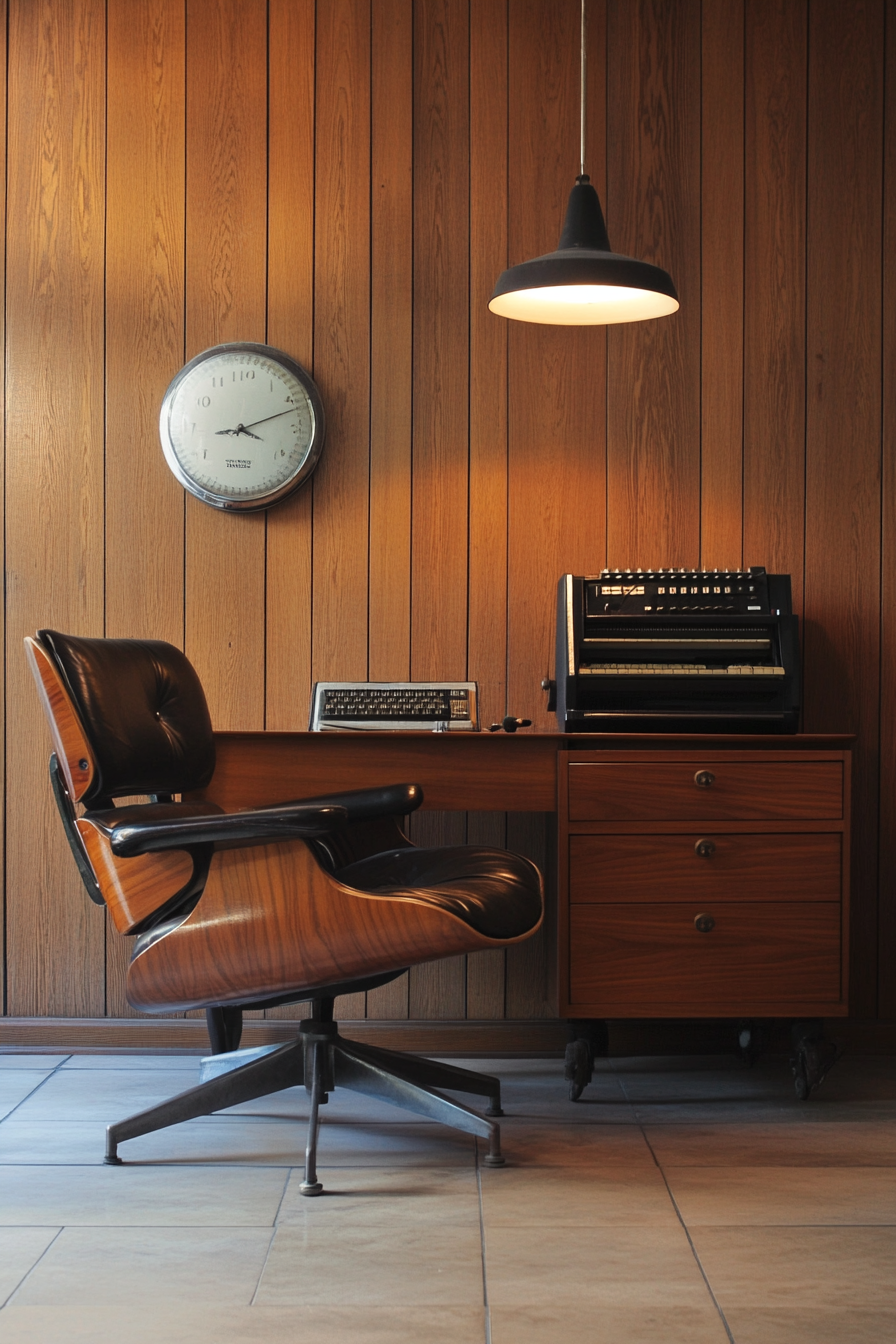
(497, 893)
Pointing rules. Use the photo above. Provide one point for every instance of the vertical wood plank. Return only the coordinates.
(722, 285)
(391, 339)
(4, 104)
(487, 630)
(842, 636)
(487, 663)
(775, 300)
(290, 327)
(342, 340)
(653, 213)
(886, 953)
(290, 303)
(342, 351)
(225, 301)
(441, 317)
(440, 397)
(144, 340)
(54, 484)
(391, 371)
(557, 375)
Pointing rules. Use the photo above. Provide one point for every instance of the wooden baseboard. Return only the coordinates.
(98, 1035)
(133, 1034)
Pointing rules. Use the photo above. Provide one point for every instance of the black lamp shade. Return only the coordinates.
(584, 283)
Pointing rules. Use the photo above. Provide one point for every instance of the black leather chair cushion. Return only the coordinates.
(495, 892)
(143, 711)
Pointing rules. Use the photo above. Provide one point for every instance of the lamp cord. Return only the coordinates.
(582, 97)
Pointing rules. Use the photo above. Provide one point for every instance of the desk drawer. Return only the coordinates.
(631, 959)
(610, 869)
(735, 791)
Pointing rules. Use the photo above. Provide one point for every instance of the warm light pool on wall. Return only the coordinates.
(584, 283)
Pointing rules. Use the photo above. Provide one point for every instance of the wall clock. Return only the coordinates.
(242, 426)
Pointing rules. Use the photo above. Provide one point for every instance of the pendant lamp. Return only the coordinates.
(584, 283)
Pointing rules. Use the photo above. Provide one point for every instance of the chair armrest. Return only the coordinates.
(392, 800)
(286, 821)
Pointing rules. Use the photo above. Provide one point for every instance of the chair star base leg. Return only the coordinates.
(322, 1059)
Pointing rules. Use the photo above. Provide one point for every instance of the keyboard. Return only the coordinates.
(363, 706)
(677, 670)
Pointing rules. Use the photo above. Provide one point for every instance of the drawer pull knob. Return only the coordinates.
(704, 779)
(704, 923)
(704, 849)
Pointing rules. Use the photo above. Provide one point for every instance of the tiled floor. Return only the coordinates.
(682, 1201)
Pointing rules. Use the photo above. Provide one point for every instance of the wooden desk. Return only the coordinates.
(777, 888)
(475, 772)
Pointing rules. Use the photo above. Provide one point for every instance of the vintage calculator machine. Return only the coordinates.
(677, 651)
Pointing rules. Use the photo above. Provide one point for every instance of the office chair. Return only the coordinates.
(251, 909)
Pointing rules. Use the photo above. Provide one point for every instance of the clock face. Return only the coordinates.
(242, 426)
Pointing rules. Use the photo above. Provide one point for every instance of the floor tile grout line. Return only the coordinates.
(25, 1277)
(684, 1227)
(267, 1254)
(52, 1074)
(486, 1310)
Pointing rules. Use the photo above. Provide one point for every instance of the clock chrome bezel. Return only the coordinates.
(252, 503)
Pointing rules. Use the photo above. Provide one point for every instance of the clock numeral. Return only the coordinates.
(203, 401)
(246, 375)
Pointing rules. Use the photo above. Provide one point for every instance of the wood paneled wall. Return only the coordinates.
(345, 179)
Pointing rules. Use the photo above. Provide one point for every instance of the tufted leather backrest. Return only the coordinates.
(142, 710)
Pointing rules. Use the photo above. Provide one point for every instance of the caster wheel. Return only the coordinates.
(578, 1067)
(813, 1057)
(800, 1081)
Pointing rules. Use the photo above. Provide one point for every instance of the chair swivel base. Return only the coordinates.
(322, 1060)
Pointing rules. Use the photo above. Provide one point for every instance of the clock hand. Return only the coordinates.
(244, 429)
(240, 429)
(275, 416)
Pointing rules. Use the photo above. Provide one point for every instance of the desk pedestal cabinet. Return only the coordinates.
(704, 883)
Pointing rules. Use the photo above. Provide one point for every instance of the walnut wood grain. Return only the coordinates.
(4, 18)
(270, 920)
(290, 327)
(145, 311)
(486, 970)
(54, 485)
(650, 960)
(341, 486)
(653, 192)
(438, 988)
(722, 285)
(266, 102)
(144, 317)
(843, 555)
(133, 888)
(611, 869)
(226, 159)
(556, 392)
(391, 341)
(478, 771)
(741, 791)
(441, 339)
(530, 988)
(73, 752)
(775, 298)
(487, 599)
(886, 953)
